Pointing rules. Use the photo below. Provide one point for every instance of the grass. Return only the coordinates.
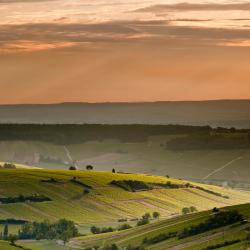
(136, 235)
(42, 245)
(104, 203)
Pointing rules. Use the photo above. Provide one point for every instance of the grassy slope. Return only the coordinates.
(135, 236)
(147, 157)
(104, 202)
(6, 246)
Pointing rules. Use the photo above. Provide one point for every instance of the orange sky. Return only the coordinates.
(146, 51)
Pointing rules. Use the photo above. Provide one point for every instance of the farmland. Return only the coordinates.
(103, 202)
(236, 233)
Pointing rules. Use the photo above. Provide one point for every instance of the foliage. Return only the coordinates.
(209, 141)
(124, 227)
(62, 229)
(97, 230)
(6, 232)
(76, 133)
(89, 167)
(187, 210)
(218, 220)
(22, 198)
(156, 215)
(8, 165)
(224, 244)
(131, 185)
(159, 238)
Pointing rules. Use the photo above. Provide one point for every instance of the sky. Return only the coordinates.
(123, 50)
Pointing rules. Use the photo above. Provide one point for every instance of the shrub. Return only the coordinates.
(156, 215)
(142, 222)
(89, 167)
(122, 220)
(216, 221)
(124, 227)
(159, 238)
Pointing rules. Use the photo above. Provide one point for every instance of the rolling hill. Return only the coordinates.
(226, 113)
(232, 236)
(88, 197)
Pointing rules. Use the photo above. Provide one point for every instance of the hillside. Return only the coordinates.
(87, 197)
(233, 236)
(220, 166)
(228, 113)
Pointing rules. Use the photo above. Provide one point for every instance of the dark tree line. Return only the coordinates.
(66, 133)
(62, 229)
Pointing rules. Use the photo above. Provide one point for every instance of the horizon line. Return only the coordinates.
(120, 102)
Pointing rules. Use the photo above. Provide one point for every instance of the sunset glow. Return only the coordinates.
(99, 51)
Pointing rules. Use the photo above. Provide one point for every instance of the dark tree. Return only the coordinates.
(72, 168)
(156, 215)
(113, 170)
(89, 167)
(5, 232)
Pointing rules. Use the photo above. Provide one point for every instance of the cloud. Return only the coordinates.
(195, 7)
(47, 35)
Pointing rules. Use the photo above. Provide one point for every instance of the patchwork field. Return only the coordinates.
(102, 202)
(237, 232)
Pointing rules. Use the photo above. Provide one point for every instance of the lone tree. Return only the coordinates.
(156, 215)
(185, 210)
(193, 209)
(113, 170)
(89, 167)
(146, 216)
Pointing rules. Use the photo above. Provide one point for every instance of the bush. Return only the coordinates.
(159, 238)
(72, 168)
(223, 244)
(185, 210)
(124, 227)
(97, 230)
(130, 185)
(22, 198)
(122, 220)
(216, 221)
(143, 221)
(156, 215)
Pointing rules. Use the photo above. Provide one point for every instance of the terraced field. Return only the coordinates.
(136, 235)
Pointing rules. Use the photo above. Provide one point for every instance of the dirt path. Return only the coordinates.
(222, 167)
(68, 154)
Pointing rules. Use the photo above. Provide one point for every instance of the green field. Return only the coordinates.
(104, 202)
(136, 235)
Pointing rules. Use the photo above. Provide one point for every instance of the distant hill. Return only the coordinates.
(189, 152)
(226, 113)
